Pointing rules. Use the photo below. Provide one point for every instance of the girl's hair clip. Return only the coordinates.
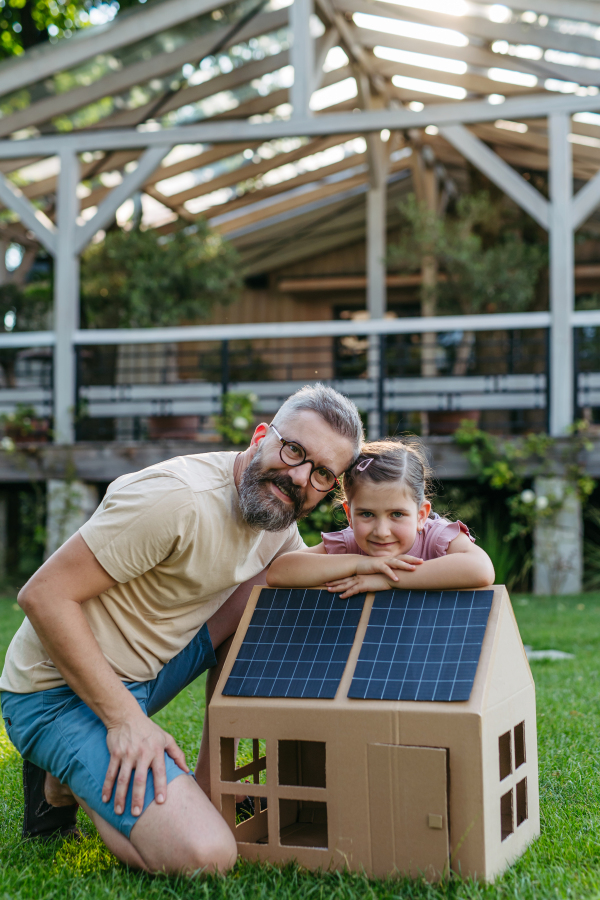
(364, 464)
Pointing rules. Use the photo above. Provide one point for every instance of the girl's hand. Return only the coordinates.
(385, 565)
(357, 584)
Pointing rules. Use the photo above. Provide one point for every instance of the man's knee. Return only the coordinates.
(184, 834)
(215, 855)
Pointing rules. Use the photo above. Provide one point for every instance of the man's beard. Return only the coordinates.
(260, 508)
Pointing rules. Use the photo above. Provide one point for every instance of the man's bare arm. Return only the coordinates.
(52, 600)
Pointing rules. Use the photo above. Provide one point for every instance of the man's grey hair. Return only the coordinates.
(338, 411)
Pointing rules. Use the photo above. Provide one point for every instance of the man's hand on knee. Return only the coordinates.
(138, 744)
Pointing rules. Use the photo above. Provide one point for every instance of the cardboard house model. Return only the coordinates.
(396, 731)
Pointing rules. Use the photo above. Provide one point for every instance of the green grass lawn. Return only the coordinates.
(564, 862)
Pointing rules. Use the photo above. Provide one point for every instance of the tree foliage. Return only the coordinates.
(484, 264)
(140, 279)
(26, 23)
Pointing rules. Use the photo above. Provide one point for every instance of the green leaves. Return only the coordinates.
(236, 422)
(506, 465)
(140, 279)
(483, 266)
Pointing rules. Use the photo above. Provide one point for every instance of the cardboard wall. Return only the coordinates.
(384, 785)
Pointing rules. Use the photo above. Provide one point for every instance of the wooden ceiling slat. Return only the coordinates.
(478, 84)
(319, 192)
(252, 170)
(138, 73)
(291, 203)
(481, 57)
(476, 27)
(238, 77)
(264, 193)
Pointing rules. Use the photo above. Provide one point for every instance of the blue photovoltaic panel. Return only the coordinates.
(422, 645)
(296, 645)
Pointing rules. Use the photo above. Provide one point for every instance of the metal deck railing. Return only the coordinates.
(502, 374)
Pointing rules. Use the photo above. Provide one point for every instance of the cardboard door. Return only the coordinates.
(408, 805)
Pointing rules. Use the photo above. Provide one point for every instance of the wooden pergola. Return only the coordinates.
(269, 119)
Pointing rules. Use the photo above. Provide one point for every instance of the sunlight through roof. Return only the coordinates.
(411, 29)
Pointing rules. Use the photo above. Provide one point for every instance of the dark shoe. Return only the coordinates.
(41, 820)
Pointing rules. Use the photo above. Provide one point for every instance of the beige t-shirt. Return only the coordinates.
(173, 538)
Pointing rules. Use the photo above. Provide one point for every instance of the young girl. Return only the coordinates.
(393, 538)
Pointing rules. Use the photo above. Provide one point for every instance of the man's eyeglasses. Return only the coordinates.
(293, 454)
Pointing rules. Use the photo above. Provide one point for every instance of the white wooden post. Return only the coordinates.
(302, 57)
(376, 289)
(562, 275)
(66, 298)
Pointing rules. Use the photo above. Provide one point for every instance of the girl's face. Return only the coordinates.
(385, 518)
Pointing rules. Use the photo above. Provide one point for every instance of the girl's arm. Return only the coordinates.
(297, 569)
(464, 566)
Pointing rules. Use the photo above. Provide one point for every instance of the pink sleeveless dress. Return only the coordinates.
(430, 544)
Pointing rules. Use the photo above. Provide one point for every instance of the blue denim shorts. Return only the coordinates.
(57, 731)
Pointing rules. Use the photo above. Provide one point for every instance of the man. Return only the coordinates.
(129, 610)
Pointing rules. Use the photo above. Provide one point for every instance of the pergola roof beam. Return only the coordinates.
(472, 82)
(239, 76)
(352, 45)
(31, 217)
(583, 10)
(251, 197)
(138, 73)
(161, 173)
(481, 57)
(298, 200)
(216, 130)
(509, 181)
(581, 152)
(257, 197)
(323, 45)
(321, 190)
(41, 62)
(130, 184)
(253, 170)
(478, 27)
(585, 201)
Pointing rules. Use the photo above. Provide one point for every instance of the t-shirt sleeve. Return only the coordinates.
(140, 525)
(443, 533)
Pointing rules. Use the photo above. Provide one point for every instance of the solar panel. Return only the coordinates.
(297, 644)
(422, 645)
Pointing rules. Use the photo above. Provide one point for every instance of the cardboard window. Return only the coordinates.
(243, 759)
(254, 829)
(303, 823)
(506, 815)
(505, 752)
(521, 802)
(302, 763)
(519, 744)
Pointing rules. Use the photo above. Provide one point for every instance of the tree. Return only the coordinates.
(484, 264)
(140, 279)
(27, 308)
(26, 23)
